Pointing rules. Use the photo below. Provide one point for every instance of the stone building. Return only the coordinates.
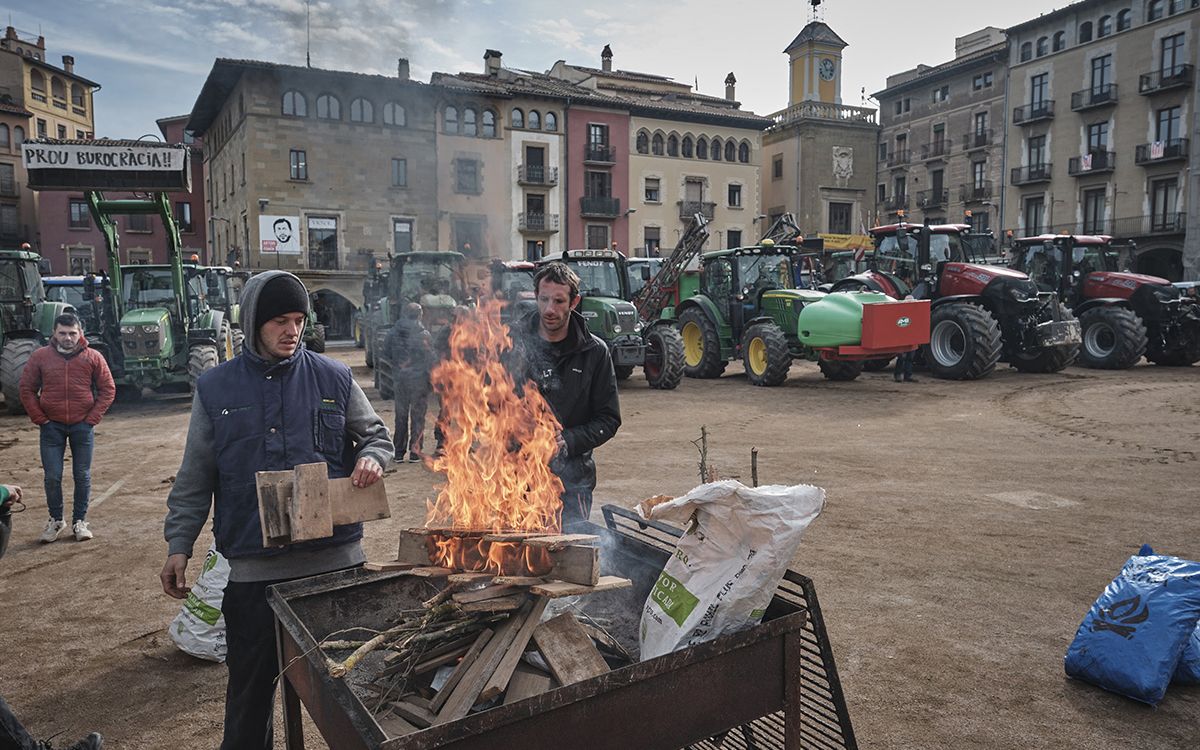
(18, 221)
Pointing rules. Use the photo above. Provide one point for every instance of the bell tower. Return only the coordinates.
(815, 64)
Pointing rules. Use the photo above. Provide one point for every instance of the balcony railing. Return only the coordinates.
(933, 198)
(604, 208)
(599, 154)
(1169, 223)
(821, 111)
(1165, 80)
(971, 193)
(1096, 96)
(1097, 162)
(935, 150)
(895, 202)
(688, 209)
(1126, 227)
(1161, 151)
(899, 157)
(978, 139)
(537, 174)
(537, 222)
(1030, 175)
(1033, 112)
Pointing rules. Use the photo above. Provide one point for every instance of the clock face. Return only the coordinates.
(826, 69)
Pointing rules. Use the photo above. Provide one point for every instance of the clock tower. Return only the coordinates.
(815, 61)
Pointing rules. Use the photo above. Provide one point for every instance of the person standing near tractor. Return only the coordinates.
(271, 408)
(411, 350)
(66, 388)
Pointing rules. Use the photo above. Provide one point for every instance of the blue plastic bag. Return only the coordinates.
(1188, 671)
(1132, 638)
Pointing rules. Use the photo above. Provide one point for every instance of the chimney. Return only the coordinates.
(402, 68)
(730, 82)
(69, 63)
(606, 59)
(10, 33)
(491, 62)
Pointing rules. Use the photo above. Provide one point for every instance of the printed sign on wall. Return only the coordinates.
(279, 234)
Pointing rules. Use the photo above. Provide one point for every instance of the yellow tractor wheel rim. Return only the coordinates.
(693, 344)
(757, 354)
(229, 345)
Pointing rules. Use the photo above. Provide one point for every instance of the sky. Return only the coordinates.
(151, 58)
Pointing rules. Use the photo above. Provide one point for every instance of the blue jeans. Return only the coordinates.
(55, 437)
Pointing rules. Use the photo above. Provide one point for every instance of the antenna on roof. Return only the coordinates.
(307, 35)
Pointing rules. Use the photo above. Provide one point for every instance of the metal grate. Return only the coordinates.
(826, 721)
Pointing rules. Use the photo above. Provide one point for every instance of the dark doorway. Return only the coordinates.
(1163, 261)
(335, 312)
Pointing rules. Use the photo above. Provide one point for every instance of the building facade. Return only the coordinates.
(18, 220)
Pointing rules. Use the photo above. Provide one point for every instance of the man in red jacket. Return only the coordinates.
(66, 388)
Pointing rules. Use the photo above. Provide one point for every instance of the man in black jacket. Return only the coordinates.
(574, 372)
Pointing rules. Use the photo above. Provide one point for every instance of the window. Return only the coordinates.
(672, 145)
(58, 91)
(899, 106)
(1097, 137)
(652, 190)
(1036, 150)
(18, 135)
(516, 119)
(3, 136)
(777, 167)
(656, 145)
(10, 223)
(551, 122)
(1101, 75)
(183, 216)
(361, 110)
(689, 147)
(450, 120)
(393, 114)
(1171, 58)
(702, 148)
(883, 152)
(466, 176)
(907, 104)
(1043, 46)
(939, 137)
(1163, 197)
(597, 184)
(1026, 51)
(978, 221)
(139, 223)
(1058, 41)
(643, 142)
(982, 81)
(80, 260)
(80, 135)
(597, 236)
(1176, 6)
(402, 232)
(1154, 10)
(299, 165)
(730, 151)
(1093, 211)
(1124, 20)
(1035, 211)
(937, 180)
(1085, 32)
(322, 242)
(978, 175)
(1039, 87)
(651, 241)
(534, 122)
(744, 152)
(597, 135)
(1104, 26)
(489, 124)
(715, 149)
(37, 83)
(470, 123)
(735, 196)
(329, 107)
(62, 132)
(941, 94)
(880, 193)
(8, 179)
(1167, 127)
(839, 217)
(733, 238)
(981, 123)
(399, 173)
(900, 189)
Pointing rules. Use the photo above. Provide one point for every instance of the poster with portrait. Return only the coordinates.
(279, 234)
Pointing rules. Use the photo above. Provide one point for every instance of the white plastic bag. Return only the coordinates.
(199, 628)
(737, 544)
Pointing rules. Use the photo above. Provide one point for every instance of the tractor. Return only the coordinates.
(1123, 315)
(374, 313)
(748, 307)
(512, 282)
(980, 314)
(26, 319)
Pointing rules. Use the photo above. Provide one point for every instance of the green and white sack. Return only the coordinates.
(199, 628)
(737, 545)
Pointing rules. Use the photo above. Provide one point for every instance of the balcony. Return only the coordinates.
(535, 223)
(895, 203)
(899, 157)
(935, 150)
(1159, 152)
(1033, 112)
(599, 208)
(688, 209)
(971, 193)
(1168, 223)
(807, 111)
(1180, 76)
(1097, 162)
(980, 139)
(537, 174)
(599, 154)
(933, 198)
(1031, 175)
(1096, 96)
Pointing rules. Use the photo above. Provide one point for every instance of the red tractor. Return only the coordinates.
(1123, 315)
(981, 314)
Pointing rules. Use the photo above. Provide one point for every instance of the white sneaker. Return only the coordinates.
(82, 532)
(53, 529)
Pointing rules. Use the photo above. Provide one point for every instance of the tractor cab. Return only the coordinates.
(26, 318)
(21, 288)
(512, 284)
(1068, 263)
(736, 280)
(434, 279)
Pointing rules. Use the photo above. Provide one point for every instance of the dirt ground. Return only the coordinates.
(968, 528)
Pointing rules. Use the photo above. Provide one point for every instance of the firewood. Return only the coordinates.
(339, 670)
(472, 682)
(429, 572)
(504, 670)
(413, 714)
(350, 504)
(394, 726)
(558, 589)
(390, 565)
(558, 541)
(466, 579)
(517, 580)
(501, 604)
(440, 661)
(309, 512)
(274, 497)
(568, 650)
(463, 667)
(576, 564)
(512, 536)
(414, 547)
(526, 682)
(478, 595)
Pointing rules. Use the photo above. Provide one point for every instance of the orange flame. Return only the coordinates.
(499, 441)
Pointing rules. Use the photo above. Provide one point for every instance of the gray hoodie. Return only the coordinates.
(191, 497)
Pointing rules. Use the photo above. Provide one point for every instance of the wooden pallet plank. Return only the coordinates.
(350, 504)
(558, 541)
(479, 595)
(394, 726)
(467, 690)
(465, 579)
(558, 589)
(502, 604)
(447, 690)
(274, 496)
(412, 713)
(429, 572)
(414, 547)
(568, 649)
(388, 565)
(576, 564)
(496, 684)
(309, 511)
(526, 682)
(518, 580)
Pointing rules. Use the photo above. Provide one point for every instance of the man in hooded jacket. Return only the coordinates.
(270, 408)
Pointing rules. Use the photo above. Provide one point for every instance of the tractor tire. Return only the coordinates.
(370, 355)
(225, 350)
(239, 340)
(317, 342)
(1182, 357)
(701, 345)
(765, 355)
(964, 342)
(877, 365)
(840, 369)
(1114, 338)
(664, 358)
(201, 359)
(624, 372)
(12, 363)
(383, 382)
(1050, 358)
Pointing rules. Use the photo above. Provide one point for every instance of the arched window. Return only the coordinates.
(688, 147)
(57, 89)
(37, 82)
(450, 120)
(517, 119)
(489, 123)
(18, 135)
(1026, 51)
(672, 145)
(294, 104)
(715, 147)
(702, 148)
(470, 122)
(744, 152)
(393, 114)
(1043, 46)
(643, 142)
(534, 121)
(730, 151)
(1085, 32)
(329, 107)
(1059, 41)
(1124, 19)
(78, 98)
(656, 144)
(1154, 10)
(361, 110)
(1104, 26)
(552, 122)
(3, 135)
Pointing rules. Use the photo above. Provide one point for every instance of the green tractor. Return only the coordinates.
(26, 319)
(748, 307)
(374, 313)
(654, 345)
